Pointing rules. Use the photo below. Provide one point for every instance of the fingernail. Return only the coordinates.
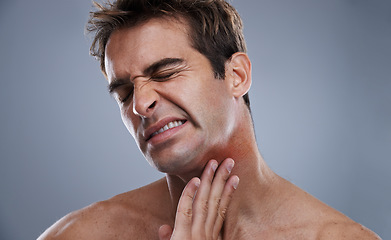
(230, 166)
(236, 182)
(214, 167)
(197, 183)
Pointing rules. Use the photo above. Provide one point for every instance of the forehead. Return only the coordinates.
(136, 47)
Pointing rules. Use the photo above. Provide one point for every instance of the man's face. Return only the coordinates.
(177, 112)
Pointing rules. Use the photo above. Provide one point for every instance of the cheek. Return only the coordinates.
(218, 109)
(129, 120)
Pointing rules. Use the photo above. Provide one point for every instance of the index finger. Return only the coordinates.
(184, 215)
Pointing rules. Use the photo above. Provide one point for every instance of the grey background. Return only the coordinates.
(320, 99)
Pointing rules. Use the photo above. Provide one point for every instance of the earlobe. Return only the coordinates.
(239, 74)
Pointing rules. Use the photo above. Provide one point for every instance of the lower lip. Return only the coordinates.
(161, 137)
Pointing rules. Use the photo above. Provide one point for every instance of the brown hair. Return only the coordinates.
(215, 27)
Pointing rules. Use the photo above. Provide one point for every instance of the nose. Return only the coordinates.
(145, 99)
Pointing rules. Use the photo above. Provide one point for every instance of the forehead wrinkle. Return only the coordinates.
(117, 60)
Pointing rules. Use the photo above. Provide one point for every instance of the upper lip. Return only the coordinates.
(159, 124)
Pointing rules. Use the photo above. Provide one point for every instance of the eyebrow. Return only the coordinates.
(154, 67)
(116, 83)
(163, 63)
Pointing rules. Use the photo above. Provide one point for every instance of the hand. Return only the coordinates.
(203, 204)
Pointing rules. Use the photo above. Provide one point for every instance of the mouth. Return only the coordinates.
(166, 127)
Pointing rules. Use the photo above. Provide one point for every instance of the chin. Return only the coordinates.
(181, 157)
(177, 163)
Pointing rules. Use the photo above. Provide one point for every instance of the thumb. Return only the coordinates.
(165, 232)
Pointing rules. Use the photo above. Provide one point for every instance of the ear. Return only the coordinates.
(238, 74)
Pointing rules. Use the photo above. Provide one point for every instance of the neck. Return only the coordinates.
(256, 179)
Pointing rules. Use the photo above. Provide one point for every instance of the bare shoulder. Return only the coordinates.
(346, 230)
(317, 220)
(336, 225)
(134, 213)
(85, 223)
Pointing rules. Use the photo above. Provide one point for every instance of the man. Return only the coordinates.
(179, 72)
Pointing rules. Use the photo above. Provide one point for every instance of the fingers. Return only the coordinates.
(165, 232)
(213, 197)
(203, 204)
(226, 197)
(183, 219)
(222, 189)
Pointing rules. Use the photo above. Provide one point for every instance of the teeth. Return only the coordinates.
(168, 126)
(171, 125)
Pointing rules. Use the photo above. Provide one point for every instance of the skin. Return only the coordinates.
(199, 198)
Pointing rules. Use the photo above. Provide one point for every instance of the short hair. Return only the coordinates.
(215, 27)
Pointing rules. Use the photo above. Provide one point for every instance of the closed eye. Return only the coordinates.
(161, 77)
(125, 93)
